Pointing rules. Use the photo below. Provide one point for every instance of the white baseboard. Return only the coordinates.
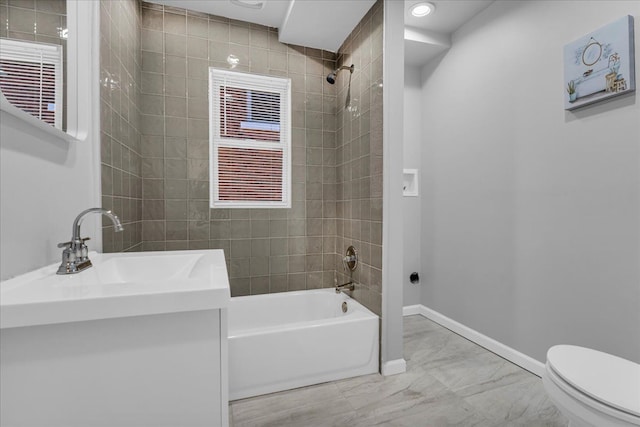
(410, 310)
(512, 355)
(393, 367)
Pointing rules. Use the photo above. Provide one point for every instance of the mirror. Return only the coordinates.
(592, 52)
(82, 64)
(33, 56)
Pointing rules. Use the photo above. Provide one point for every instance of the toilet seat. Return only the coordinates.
(593, 386)
(608, 379)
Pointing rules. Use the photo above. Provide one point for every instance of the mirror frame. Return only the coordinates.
(82, 68)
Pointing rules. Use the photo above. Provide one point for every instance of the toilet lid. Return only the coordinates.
(606, 378)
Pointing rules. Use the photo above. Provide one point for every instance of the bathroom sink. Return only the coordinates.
(151, 268)
(118, 285)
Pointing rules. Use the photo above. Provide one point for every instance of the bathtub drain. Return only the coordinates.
(344, 307)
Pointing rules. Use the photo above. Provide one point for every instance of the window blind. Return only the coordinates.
(250, 140)
(31, 78)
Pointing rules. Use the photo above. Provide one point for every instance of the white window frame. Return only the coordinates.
(38, 53)
(221, 77)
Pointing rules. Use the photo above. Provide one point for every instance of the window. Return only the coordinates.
(250, 139)
(31, 78)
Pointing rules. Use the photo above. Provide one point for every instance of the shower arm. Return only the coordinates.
(351, 68)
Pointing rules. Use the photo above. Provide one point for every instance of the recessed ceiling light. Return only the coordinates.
(422, 9)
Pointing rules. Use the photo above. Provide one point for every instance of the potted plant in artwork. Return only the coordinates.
(571, 89)
(614, 63)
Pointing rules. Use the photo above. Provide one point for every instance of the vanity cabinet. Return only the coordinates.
(136, 354)
(158, 370)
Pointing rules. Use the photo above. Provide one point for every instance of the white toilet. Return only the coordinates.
(592, 388)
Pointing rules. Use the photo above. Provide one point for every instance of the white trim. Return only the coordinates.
(87, 123)
(82, 18)
(224, 367)
(410, 310)
(219, 78)
(512, 355)
(392, 347)
(33, 121)
(394, 367)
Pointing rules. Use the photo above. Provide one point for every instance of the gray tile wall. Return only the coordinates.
(33, 20)
(37, 21)
(120, 151)
(155, 148)
(268, 250)
(359, 157)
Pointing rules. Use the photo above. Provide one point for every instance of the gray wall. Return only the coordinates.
(530, 213)
(393, 94)
(120, 148)
(45, 182)
(411, 206)
(40, 195)
(268, 250)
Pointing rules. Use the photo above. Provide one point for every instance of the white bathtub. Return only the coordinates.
(294, 339)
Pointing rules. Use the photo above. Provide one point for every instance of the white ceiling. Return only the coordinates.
(325, 24)
(428, 36)
(321, 24)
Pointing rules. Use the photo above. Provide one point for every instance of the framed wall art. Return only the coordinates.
(600, 65)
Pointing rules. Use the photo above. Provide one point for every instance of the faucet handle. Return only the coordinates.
(70, 243)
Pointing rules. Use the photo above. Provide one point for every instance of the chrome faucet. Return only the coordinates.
(75, 256)
(349, 286)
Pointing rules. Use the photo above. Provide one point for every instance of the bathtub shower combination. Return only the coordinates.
(294, 339)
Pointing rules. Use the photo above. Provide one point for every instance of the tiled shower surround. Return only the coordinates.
(121, 163)
(359, 156)
(267, 250)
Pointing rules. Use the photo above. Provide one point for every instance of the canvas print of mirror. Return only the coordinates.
(599, 65)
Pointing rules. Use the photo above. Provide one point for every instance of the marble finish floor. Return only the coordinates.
(450, 381)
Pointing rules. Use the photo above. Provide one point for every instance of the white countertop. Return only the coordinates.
(118, 285)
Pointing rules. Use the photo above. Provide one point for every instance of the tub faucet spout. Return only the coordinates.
(75, 256)
(349, 286)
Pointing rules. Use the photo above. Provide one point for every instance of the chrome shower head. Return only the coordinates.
(331, 77)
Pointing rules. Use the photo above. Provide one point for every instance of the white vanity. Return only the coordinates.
(140, 339)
